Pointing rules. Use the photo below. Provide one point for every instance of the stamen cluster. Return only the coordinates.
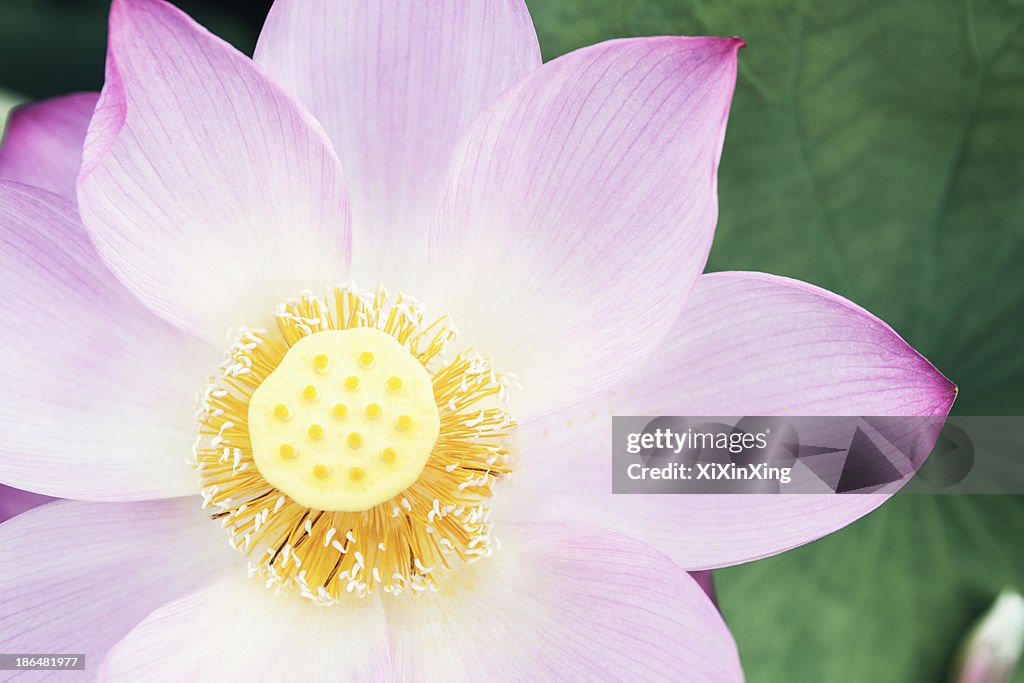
(439, 522)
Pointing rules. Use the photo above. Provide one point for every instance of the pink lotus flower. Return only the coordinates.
(992, 648)
(349, 446)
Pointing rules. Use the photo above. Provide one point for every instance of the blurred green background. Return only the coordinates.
(874, 148)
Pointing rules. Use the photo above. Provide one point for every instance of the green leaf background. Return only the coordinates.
(874, 148)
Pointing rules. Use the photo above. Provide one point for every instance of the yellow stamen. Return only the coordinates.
(406, 518)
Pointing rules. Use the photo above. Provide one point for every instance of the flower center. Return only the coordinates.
(344, 451)
(345, 422)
